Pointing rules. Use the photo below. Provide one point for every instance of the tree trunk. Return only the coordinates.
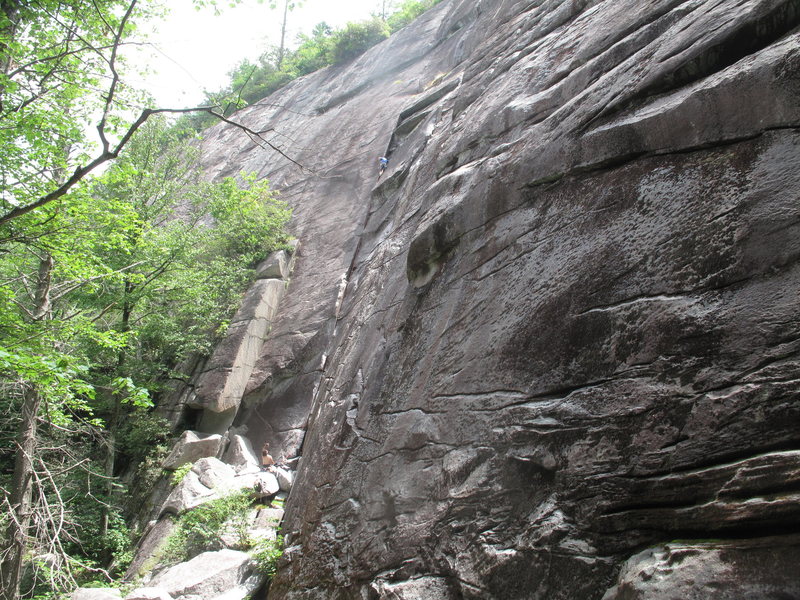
(116, 413)
(13, 553)
(9, 9)
(282, 50)
(42, 300)
(20, 498)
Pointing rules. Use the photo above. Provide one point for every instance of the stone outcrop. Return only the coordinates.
(725, 570)
(96, 594)
(221, 387)
(148, 593)
(240, 454)
(561, 329)
(222, 575)
(208, 480)
(192, 446)
(188, 493)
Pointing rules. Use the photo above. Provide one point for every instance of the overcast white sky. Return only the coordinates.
(194, 50)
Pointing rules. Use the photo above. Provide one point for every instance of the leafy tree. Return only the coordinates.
(357, 38)
(61, 73)
(98, 277)
(177, 278)
(252, 81)
(407, 11)
(314, 51)
(140, 271)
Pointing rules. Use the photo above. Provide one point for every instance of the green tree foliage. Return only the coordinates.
(61, 79)
(313, 52)
(176, 279)
(356, 38)
(266, 553)
(251, 81)
(105, 284)
(104, 297)
(407, 11)
(199, 530)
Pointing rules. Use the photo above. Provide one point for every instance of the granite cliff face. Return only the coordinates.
(554, 352)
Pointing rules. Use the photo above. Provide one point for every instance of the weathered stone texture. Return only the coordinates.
(240, 454)
(192, 446)
(96, 594)
(223, 385)
(221, 575)
(718, 570)
(148, 593)
(563, 327)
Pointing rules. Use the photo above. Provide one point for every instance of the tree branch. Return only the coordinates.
(111, 154)
(112, 65)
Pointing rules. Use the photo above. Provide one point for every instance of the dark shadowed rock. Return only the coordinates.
(149, 548)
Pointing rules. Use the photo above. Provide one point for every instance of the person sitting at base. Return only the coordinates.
(266, 458)
(384, 163)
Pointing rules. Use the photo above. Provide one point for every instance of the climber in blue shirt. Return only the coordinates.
(384, 163)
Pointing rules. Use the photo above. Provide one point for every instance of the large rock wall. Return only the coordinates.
(318, 141)
(562, 332)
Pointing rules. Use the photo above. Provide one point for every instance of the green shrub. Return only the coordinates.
(407, 12)
(266, 553)
(181, 472)
(357, 38)
(198, 530)
(314, 52)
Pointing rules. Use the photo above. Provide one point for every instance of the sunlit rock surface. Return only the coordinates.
(562, 329)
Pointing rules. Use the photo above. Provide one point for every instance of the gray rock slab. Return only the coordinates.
(721, 570)
(226, 573)
(189, 493)
(148, 593)
(148, 547)
(240, 454)
(285, 479)
(268, 518)
(278, 265)
(563, 326)
(213, 473)
(192, 446)
(223, 385)
(263, 483)
(430, 588)
(96, 594)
